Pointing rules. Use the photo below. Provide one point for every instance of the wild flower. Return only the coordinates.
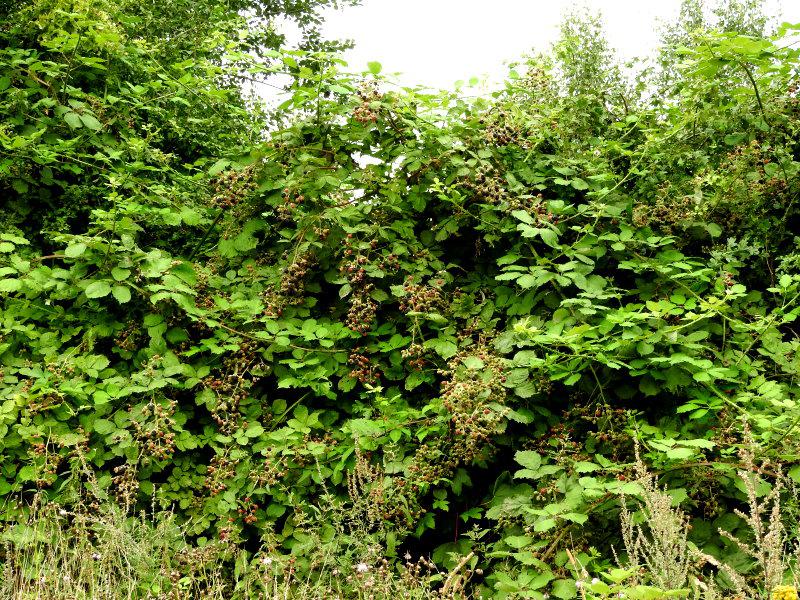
(362, 567)
(784, 592)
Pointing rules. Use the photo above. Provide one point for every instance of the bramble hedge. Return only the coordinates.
(473, 304)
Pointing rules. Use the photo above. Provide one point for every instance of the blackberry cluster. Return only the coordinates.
(362, 367)
(415, 356)
(153, 430)
(128, 338)
(289, 204)
(498, 129)
(322, 232)
(422, 298)
(363, 309)
(270, 473)
(468, 395)
(487, 187)
(43, 403)
(666, 212)
(293, 280)
(390, 263)
(125, 484)
(353, 268)
(226, 412)
(220, 470)
(46, 464)
(366, 112)
(534, 206)
(247, 511)
(231, 187)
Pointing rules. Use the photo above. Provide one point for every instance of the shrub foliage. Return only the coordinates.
(463, 309)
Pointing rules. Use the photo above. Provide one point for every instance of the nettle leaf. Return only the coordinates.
(98, 289)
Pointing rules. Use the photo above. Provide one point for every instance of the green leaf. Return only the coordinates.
(98, 289)
(121, 293)
(528, 459)
(120, 274)
(90, 122)
(10, 285)
(564, 589)
(473, 363)
(374, 67)
(254, 430)
(75, 249)
(104, 426)
(680, 453)
(219, 166)
(524, 216)
(73, 119)
(579, 184)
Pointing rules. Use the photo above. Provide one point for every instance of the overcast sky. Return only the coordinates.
(437, 42)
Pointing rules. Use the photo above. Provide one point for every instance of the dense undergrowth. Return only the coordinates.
(381, 322)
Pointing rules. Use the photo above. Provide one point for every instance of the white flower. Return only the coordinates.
(595, 581)
(96, 556)
(579, 584)
(362, 567)
(62, 512)
(620, 595)
(266, 561)
(407, 555)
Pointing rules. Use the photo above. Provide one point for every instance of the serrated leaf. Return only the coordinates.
(10, 285)
(528, 459)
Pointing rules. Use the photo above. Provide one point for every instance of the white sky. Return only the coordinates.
(437, 42)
